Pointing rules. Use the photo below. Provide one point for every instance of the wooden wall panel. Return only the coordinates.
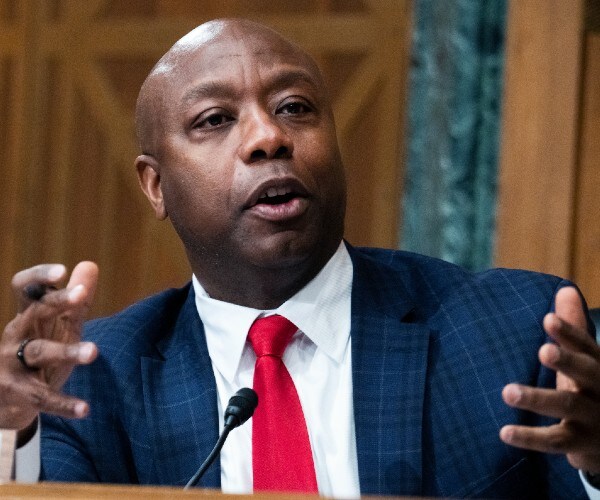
(14, 106)
(70, 71)
(539, 135)
(549, 203)
(586, 253)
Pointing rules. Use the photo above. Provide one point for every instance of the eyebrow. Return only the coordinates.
(208, 89)
(290, 78)
(220, 89)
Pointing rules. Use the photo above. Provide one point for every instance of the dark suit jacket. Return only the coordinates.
(432, 347)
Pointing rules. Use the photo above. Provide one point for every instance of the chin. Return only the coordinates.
(289, 250)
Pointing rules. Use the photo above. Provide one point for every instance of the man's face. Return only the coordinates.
(248, 163)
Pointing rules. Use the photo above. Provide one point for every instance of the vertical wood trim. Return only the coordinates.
(539, 135)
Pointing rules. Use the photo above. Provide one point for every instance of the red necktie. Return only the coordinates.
(281, 455)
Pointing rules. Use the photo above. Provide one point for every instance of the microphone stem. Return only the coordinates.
(209, 460)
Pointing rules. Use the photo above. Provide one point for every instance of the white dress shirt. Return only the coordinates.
(319, 361)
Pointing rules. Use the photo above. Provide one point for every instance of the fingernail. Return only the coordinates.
(506, 433)
(56, 272)
(75, 292)
(81, 410)
(512, 394)
(85, 352)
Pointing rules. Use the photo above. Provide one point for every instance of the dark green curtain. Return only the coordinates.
(453, 130)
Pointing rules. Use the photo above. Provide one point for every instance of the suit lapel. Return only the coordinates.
(389, 363)
(181, 403)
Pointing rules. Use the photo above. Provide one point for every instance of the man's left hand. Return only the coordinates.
(576, 400)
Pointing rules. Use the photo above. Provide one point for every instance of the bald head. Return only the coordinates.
(173, 67)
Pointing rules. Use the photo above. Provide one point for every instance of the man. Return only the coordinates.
(415, 377)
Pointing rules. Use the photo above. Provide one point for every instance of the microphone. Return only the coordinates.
(240, 408)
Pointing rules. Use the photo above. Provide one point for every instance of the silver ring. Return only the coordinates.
(21, 355)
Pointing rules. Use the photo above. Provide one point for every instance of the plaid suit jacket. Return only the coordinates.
(432, 347)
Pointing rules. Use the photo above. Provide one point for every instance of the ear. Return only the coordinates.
(149, 176)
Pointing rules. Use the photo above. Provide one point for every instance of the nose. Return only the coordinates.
(264, 138)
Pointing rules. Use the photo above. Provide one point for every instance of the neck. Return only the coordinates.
(259, 287)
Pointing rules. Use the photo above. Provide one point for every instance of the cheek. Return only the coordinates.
(325, 165)
(197, 175)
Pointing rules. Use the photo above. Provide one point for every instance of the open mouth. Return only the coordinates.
(279, 200)
(276, 196)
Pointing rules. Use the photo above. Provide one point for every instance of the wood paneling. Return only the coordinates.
(539, 135)
(586, 254)
(549, 203)
(69, 75)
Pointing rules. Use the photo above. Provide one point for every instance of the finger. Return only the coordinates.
(30, 324)
(37, 276)
(551, 403)
(57, 316)
(36, 291)
(39, 396)
(559, 438)
(85, 273)
(52, 304)
(569, 310)
(57, 301)
(45, 353)
(79, 291)
(568, 335)
(569, 307)
(583, 369)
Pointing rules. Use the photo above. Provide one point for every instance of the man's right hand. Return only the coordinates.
(52, 324)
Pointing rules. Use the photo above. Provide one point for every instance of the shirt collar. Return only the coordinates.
(321, 310)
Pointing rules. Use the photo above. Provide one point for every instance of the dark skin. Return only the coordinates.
(239, 151)
(248, 112)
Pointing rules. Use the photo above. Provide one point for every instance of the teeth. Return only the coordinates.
(280, 191)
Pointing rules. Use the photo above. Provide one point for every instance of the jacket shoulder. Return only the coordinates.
(434, 283)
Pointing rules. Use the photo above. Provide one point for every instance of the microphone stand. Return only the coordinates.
(240, 408)
(211, 457)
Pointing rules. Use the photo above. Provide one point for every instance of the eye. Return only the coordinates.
(212, 119)
(294, 108)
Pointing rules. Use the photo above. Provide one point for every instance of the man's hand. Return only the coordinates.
(576, 399)
(52, 322)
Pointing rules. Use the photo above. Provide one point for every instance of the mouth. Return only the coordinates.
(278, 199)
(277, 196)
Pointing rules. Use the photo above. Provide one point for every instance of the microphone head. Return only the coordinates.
(241, 407)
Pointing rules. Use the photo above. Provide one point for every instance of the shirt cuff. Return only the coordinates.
(593, 493)
(27, 460)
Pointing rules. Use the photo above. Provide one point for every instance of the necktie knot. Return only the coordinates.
(271, 335)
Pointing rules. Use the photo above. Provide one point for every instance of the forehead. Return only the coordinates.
(240, 59)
